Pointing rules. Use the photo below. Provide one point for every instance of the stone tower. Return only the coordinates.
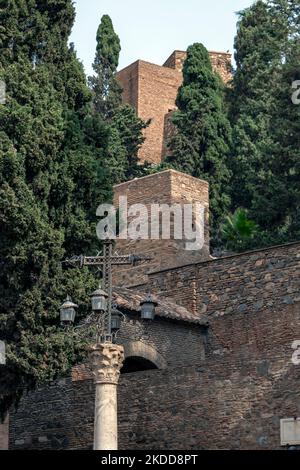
(169, 187)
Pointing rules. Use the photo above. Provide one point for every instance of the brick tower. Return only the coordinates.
(168, 187)
(152, 89)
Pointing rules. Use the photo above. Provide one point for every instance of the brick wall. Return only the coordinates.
(129, 79)
(222, 405)
(152, 90)
(221, 62)
(234, 399)
(167, 187)
(61, 415)
(176, 60)
(246, 283)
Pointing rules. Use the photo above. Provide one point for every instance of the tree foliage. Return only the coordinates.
(106, 88)
(237, 231)
(265, 163)
(201, 143)
(51, 182)
(125, 128)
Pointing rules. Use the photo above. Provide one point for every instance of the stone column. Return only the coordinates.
(106, 362)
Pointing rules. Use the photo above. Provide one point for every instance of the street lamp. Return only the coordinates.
(106, 357)
(67, 312)
(99, 300)
(116, 319)
(148, 306)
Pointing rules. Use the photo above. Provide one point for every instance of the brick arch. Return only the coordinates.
(145, 351)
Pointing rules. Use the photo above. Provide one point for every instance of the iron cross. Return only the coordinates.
(107, 259)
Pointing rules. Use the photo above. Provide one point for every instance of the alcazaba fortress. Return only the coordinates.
(214, 369)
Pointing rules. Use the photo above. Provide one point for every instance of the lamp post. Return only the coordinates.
(106, 358)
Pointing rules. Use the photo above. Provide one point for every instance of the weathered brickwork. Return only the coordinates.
(56, 417)
(129, 78)
(156, 89)
(233, 398)
(245, 283)
(221, 62)
(224, 405)
(167, 187)
(152, 89)
(224, 385)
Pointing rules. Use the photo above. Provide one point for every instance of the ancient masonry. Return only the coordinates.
(152, 89)
(168, 187)
(213, 370)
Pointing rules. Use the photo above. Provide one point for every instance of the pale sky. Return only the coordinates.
(151, 30)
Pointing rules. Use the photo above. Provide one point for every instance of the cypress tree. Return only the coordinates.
(262, 114)
(200, 146)
(257, 58)
(107, 91)
(124, 127)
(284, 155)
(51, 182)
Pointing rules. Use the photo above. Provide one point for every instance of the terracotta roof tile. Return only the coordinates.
(130, 300)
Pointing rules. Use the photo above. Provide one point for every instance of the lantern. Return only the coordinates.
(99, 300)
(148, 308)
(67, 312)
(116, 316)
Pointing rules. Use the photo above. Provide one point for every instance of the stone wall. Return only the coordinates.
(129, 79)
(234, 399)
(156, 89)
(222, 405)
(61, 415)
(221, 62)
(152, 90)
(248, 283)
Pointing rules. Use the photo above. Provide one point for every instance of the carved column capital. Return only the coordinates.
(106, 360)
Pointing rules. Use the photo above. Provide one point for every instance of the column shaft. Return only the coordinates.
(106, 362)
(106, 423)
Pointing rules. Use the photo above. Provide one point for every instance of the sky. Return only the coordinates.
(151, 30)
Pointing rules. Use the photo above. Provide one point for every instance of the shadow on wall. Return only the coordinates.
(136, 364)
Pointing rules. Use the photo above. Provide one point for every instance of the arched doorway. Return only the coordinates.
(136, 364)
(140, 356)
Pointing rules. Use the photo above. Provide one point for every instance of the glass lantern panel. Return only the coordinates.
(67, 315)
(98, 303)
(147, 310)
(115, 322)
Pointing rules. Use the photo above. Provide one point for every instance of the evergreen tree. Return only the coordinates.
(262, 115)
(258, 45)
(129, 129)
(200, 146)
(107, 91)
(125, 135)
(51, 182)
(284, 154)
